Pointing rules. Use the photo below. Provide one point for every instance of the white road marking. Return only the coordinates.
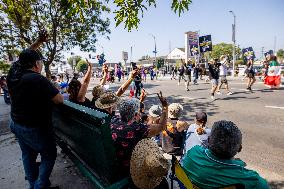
(185, 97)
(275, 107)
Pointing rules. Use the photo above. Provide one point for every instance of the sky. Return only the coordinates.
(258, 24)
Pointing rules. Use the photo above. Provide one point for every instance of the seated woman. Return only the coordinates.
(197, 133)
(215, 166)
(127, 130)
(77, 91)
(173, 136)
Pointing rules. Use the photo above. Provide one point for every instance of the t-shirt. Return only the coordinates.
(31, 98)
(207, 171)
(181, 71)
(214, 71)
(137, 80)
(188, 69)
(192, 138)
(125, 137)
(223, 69)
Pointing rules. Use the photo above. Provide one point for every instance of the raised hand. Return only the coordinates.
(163, 100)
(43, 36)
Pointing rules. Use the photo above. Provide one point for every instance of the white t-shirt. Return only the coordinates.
(223, 69)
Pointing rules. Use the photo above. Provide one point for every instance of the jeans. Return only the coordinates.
(34, 141)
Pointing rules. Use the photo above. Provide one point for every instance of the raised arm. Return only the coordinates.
(155, 129)
(85, 83)
(105, 71)
(126, 84)
(43, 37)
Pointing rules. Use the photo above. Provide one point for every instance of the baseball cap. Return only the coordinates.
(28, 57)
(201, 116)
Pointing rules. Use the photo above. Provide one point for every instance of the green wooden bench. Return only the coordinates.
(84, 135)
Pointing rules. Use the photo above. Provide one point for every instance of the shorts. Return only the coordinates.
(251, 75)
(224, 80)
(215, 82)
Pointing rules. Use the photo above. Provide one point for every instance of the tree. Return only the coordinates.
(223, 49)
(130, 11)
(69, 23)
(72, 59)
(82, 66)
(4, 67)
(280, 54)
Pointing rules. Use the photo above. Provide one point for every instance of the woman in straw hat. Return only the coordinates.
(128, 130)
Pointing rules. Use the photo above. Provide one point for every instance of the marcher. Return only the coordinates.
(273, 78)
(187, 74)
(215, 166)
(223, 75)
(119, 74)
(195, 73)
(197, 133)
(138, 85)
(181, 74)
(32, 98)
(214, 71)
(250, 74)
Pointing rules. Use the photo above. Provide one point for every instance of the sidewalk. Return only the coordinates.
(65, 174)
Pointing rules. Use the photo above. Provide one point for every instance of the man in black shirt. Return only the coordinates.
(214, 75)
(32, 98)
(138, 85)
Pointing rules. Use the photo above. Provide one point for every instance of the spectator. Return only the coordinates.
(216, 166)
(77, 91)
(197, 133)
(32, 97)
(174, 135)
(54, 82)
(127, 130)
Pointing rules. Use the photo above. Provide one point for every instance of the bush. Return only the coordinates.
(4, 67)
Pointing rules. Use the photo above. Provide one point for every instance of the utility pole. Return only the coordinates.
(234, 41)
(275, 44)
(155, 51)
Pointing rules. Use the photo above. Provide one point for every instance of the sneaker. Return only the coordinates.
(212, 97)
(178, 83)
(229, 93)
(218, 93)
(187, 89)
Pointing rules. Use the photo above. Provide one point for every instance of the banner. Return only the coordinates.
(205, 43)
(270, 52)
(248, 53)
(193, 43)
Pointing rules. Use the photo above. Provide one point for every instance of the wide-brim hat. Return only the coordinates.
(155, 111)
(148, 166)
(107, 100)
(174, 110)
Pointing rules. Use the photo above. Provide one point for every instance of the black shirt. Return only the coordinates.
(214, 71)
(137, 80)
(31, 98)
(188, 69)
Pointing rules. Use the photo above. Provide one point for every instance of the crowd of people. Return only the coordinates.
(207, 155)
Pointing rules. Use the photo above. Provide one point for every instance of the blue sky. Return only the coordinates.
(258, 22)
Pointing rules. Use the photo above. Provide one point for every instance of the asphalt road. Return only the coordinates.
(259, 115)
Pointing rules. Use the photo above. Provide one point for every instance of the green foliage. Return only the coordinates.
(71, 61)
(82, 66)
(223, 49)
(280, 53)
(69, 23)
(4, 67)
(160, 63)
(239, 62)
(130, 11)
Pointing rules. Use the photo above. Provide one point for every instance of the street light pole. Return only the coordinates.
(155, 51)
(234, 41)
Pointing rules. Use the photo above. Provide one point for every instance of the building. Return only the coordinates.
(176, 54)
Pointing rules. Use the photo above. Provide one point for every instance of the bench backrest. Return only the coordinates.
(87, 132)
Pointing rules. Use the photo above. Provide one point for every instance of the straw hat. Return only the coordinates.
(148, 166)
(107, 100)
(174, 110)
(155, 111)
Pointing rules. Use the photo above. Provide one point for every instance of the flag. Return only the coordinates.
(248, 53)
(205, 43)
(273, 78)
